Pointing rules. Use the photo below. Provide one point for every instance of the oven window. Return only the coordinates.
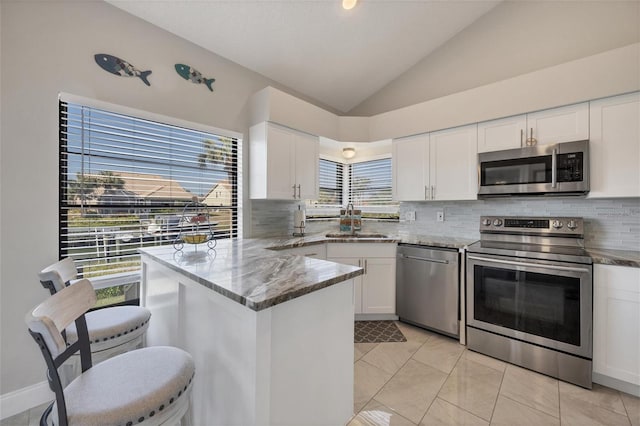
(518, 171)
(539, 304)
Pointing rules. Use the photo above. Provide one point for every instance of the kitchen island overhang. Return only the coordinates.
(271, 333)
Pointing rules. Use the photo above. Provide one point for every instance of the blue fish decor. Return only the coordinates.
(188, 73)
(119, 67)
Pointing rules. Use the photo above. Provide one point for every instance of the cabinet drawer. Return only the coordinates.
(361, 249)
(317, 251)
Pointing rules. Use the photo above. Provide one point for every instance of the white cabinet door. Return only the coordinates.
(616, 322)
(280, 163)
(564, 124)
(453, 171)
(615, 146)
(357, 281)
(410, 161)
(306, 166)
(379, 286)
(283, 163)
(505, 133)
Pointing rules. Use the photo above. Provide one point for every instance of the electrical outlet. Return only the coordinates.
(440, 216)
(410, 216)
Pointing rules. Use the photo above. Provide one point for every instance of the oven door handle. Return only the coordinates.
(533, 265)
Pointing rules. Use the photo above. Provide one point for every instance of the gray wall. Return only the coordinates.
(514, 38)
(609, 223)
(47, 48)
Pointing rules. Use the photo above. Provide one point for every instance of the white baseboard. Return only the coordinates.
(15, 402)
(610, 382)
(376, 317)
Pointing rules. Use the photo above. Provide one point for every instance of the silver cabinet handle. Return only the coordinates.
(294, 190)
(531, 265)
(521, 137)
(554, 168)
(433, 192)
(426, 196)
(299, 192)
(359, 263)
(531, 141)
(365, 266)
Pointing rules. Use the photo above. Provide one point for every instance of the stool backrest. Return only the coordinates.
(46, 323)
(57, 276)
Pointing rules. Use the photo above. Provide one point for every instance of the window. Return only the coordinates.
(123, 184)
(366, 184)
(370, 188)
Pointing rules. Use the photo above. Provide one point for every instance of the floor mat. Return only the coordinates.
(377, 332)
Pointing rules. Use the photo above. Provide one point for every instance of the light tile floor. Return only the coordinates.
(432, 380)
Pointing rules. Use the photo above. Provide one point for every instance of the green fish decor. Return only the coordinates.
(193, 75)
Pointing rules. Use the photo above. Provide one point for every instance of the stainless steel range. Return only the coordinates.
(530, 295)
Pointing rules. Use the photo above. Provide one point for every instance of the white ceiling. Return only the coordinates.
(338, 57)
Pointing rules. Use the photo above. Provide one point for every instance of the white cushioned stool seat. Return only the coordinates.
(144, 384)
(113, 326)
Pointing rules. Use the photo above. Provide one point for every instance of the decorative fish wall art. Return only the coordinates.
(193, 75)
(120, 67)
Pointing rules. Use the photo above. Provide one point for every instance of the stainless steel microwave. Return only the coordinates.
(558, 169)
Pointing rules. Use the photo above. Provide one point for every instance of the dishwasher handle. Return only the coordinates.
(424, 259)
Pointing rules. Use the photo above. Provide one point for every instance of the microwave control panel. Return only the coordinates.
(570, 167)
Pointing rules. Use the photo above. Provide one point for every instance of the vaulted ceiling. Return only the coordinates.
(315, 47)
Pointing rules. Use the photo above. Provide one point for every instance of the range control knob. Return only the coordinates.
(486, 222)
(497, 222)
(557, 224)
(572, 224)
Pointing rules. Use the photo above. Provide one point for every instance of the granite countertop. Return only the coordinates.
(244, 271)
(425, 240)
(615, 257)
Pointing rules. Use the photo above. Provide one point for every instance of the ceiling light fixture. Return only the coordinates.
(349, 4)
(348, 153)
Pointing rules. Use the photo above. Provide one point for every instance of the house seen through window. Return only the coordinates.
(124, 182)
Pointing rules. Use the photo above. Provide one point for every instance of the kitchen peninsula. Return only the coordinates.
(271, 333)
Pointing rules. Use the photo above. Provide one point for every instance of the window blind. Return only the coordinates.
(124, 182)
(370, 183)
(331, 182)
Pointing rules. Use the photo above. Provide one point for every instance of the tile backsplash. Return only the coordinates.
(609, 223)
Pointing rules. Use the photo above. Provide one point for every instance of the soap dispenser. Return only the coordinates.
(298, 222)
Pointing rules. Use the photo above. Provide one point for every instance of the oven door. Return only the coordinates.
(541, 302)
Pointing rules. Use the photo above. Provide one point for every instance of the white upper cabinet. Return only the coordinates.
(615, 146)
(563, 124)
(436, 166)
(505, 133)
(283, 163)
(453, 171)
(410, 163)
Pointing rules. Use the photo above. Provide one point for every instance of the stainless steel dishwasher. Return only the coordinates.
(427, 287)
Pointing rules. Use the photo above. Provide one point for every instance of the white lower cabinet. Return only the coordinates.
(375, 291)
(616, 323)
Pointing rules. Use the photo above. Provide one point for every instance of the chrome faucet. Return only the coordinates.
(350, 214)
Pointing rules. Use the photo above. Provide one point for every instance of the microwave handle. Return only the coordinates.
(554, 168)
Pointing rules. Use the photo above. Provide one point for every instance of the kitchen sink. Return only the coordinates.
(356, 235)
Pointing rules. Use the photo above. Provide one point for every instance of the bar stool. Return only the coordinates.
(112, 331)
(149, 385)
